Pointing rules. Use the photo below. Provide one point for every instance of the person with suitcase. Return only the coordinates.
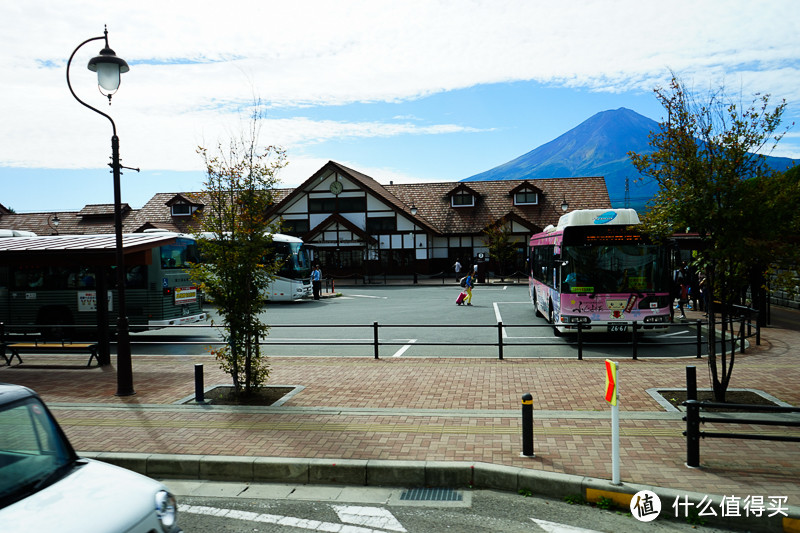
(469, 283)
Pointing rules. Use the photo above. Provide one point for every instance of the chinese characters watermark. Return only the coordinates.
(646, 506)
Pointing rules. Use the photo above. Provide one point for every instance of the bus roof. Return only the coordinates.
(596, 217)
(276, 237)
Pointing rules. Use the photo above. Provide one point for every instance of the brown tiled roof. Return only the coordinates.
(101, 210)
(495, 201)
(70, 223)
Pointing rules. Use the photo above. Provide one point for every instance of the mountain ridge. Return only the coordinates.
(598, 146)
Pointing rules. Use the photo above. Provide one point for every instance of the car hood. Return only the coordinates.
(95, 497)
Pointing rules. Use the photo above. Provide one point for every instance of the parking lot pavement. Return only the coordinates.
(436, 409)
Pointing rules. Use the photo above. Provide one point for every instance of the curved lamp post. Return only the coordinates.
(109, 67)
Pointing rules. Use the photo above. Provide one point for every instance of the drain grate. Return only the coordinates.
(431, 495)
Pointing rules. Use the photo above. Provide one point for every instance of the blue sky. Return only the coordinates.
(407, 91)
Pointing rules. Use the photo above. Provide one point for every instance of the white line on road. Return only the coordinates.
(402, 350)
(368, 516)
(368, 296)
(555, 527)
(290, 521)
(499, 318)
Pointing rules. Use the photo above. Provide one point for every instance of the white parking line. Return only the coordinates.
(403, 349)
(499, 317)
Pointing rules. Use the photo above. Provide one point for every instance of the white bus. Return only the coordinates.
(293, 279)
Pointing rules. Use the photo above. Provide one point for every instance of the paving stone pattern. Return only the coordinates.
(437, 409)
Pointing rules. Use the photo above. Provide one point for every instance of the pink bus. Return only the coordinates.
(596, 269)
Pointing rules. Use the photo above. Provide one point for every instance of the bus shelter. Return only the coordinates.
(95, 253)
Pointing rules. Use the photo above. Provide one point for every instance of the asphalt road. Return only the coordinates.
(217, 507)
(419, 321)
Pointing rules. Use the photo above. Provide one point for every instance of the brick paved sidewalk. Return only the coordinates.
(436, 409)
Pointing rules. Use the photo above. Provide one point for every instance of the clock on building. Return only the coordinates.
(336, 187)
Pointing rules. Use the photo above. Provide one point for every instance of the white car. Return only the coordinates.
(45, 486)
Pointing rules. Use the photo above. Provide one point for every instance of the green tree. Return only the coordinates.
(497, 238)
(710, 165)
(234, 272)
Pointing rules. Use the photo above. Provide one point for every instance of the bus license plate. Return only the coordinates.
(617, 328)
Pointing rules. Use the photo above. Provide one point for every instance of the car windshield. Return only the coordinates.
(32, 450)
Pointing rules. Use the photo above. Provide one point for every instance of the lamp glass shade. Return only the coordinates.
(108, 76)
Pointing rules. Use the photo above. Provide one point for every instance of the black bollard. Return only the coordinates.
(527, 425)
(199, 392)
(692, 419)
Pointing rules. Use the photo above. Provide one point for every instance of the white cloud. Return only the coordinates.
(193, 64)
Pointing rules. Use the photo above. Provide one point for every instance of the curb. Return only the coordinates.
(448, 474)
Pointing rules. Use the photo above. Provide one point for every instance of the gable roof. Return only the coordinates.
(336, 218)
(366, 182)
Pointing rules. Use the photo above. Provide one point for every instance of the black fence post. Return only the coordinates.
(741, 334)
(500, 339)
(700, 339)
(527, 425)
(692, 419)
(580, 341)
(691, 383)
(375, 338)
(635, 342)
(199, 388)
(2, 339)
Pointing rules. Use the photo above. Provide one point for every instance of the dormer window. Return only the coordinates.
(462, 199)
(526, 194)
(526, 197)
(180, 206)
(181, 210)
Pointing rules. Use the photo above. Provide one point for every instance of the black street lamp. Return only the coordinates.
(109, 67)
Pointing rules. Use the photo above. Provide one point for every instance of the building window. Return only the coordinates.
(321, 205)
(352, 204)
(296, 227)
(181, 210)
(526, 197)
(377, 225)
(462, 199)
(346, 204)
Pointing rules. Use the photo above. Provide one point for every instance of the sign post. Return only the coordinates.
(611, 397)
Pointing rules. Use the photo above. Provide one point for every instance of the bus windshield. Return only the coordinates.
(179, 254)
(293, 260)
(614, 268)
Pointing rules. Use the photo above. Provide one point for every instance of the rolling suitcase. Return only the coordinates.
(460, 299)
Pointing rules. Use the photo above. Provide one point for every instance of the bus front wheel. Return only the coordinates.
(556, 332)
(536, 306)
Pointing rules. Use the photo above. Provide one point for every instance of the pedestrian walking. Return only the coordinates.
(469, 283)
(457, 268)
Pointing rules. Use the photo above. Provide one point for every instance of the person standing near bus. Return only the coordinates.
(468, 284)
(316, 282)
